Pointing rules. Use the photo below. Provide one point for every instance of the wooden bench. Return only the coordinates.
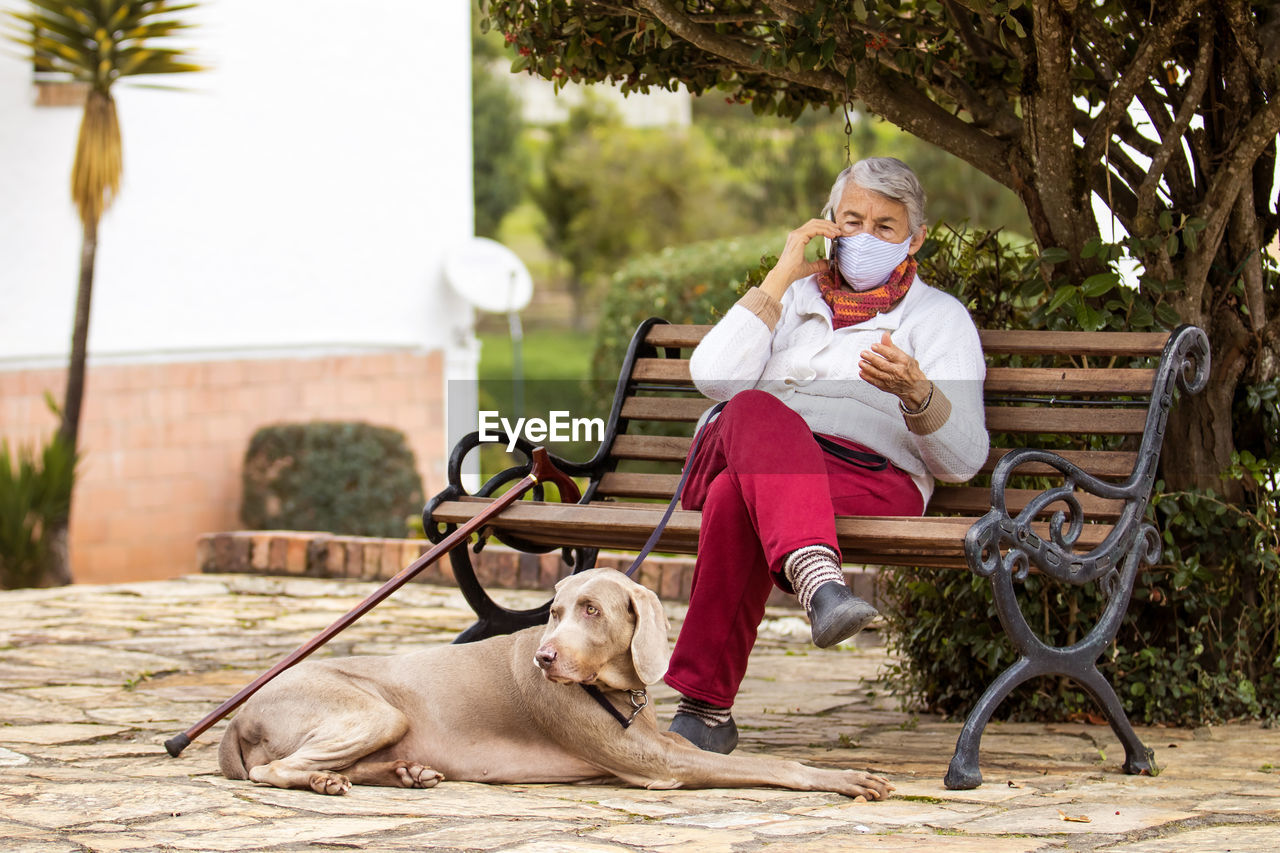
(1073, 506)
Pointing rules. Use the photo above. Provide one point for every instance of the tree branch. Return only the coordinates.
(964, 27)
(1246, 36)
(685, 28)
(899, 102)
(1002, 123)
(1244, 230)
(1016, 46)
(743, 18)
(1104, 43)
(1049, 111)
(1182, 180)
(1134, 77)
(1116, 191)
(1171, 137)
(1225, 187)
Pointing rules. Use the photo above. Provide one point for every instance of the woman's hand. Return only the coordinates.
(890, 369)
(791, 265)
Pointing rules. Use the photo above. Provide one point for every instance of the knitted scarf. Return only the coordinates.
(849, 308)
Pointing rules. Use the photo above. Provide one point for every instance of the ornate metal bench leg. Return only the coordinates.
(963, 774)
(1139, 760)
(492, 619)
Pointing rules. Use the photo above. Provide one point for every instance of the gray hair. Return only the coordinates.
(886, 176)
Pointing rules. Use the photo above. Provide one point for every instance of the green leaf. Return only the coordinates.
(1054, 255)
(1096, 285)
(1141, 317)
(1167, 315)
(1062, 296)
(1089, 318)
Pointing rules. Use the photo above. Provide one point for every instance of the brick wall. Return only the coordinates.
(163, 443)
(321, 555)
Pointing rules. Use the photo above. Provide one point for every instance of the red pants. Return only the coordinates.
(765, 488)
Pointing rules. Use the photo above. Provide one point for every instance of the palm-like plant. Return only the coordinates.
(96, 42)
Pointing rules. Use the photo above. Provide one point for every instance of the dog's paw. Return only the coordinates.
(328, 782)
(863, 786)
(413, 775)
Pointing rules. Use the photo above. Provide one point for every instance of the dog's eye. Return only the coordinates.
(591, 610)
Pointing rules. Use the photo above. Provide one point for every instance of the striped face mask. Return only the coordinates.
(865, 262)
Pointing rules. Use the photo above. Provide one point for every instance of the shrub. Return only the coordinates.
(35, 495)
(341, 477)
(694, 283)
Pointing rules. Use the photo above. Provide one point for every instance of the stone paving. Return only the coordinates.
(94, 679)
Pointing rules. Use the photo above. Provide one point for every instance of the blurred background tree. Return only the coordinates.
(608, 192)
(500, 162)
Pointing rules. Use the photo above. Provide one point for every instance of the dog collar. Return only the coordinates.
(639, 701)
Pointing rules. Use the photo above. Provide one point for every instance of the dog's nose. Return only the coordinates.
(544, 657)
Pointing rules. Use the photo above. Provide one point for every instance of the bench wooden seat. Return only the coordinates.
(1076, 421)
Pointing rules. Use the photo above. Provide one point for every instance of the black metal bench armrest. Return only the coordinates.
(436, 532)
(1184, 366)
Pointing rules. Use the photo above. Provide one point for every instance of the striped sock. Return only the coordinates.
(712, 715)
(809, 568)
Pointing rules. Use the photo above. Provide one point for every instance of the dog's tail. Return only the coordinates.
(230, 753)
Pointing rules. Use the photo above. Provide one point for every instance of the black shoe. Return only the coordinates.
(721, 738)
(836, 614)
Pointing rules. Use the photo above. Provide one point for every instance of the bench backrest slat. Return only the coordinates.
(1018, 341)
(994, 341)
(674, 448)
(1016, 419)
(1044, 381)
(966, 500)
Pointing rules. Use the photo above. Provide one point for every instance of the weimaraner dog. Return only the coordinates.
(507, 709)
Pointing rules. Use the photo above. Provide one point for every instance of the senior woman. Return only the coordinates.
(852, 386)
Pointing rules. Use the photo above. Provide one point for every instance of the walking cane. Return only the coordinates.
(542, 470)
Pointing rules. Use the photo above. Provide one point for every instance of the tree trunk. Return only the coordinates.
(1200, 429)
(74, 398)
(59, 570)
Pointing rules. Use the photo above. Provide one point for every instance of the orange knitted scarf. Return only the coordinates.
(849, 308)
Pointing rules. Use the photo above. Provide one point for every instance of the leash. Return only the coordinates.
(640, 698)
(675, 498)
(870, 461)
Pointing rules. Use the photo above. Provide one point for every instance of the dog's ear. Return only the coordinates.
(570, 580)
(649, 648)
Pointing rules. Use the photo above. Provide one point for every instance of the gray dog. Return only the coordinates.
(506, 709)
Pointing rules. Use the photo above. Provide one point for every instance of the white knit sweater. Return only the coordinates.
(814, 370)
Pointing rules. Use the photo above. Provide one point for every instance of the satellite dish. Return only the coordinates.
(489, 276)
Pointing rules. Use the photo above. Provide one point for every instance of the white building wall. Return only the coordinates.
(275, 254)
(300, 193)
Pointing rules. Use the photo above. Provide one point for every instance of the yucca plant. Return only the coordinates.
(35, 497)
(96, 42)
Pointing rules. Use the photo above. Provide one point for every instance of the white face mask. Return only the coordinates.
(865, 261)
